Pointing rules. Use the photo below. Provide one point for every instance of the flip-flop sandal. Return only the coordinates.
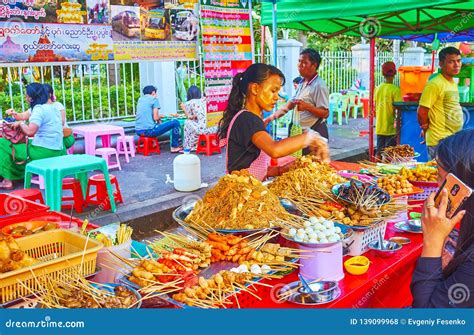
(176, 150)
(8, 188)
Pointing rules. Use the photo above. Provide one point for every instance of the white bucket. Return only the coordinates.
(107, 262)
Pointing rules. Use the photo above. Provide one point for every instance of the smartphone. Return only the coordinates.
(458, 193)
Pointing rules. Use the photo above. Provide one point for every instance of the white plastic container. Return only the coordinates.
(187, 172)
(108, 262)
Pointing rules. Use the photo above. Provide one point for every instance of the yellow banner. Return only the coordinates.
(213, 119)
(155, 50)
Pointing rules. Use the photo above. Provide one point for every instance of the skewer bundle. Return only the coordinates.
(239, 201)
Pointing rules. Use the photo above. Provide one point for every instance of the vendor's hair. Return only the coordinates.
(255, 73)
(314, 56)
(50, 91)
(448, 51)
(37, 93)
(455, 155)
(149, 89)
(193, 93)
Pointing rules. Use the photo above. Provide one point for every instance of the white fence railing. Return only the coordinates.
(109, 90)
(88, 90)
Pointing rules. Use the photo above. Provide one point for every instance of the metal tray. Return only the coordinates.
(206, 273)
(181, 213)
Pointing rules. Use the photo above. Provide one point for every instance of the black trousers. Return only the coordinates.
(384, 141)
(322, 129)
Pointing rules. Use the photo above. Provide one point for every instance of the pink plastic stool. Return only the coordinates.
(38, 180)
(123, 142)
(105, 153)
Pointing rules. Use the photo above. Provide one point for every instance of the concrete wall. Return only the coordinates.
(162, 76)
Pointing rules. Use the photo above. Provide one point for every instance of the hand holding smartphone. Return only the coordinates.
(458, 193)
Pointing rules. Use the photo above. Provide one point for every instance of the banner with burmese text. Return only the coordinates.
(227, 43)
(94, 30)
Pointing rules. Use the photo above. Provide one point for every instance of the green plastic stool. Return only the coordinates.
(55, 169)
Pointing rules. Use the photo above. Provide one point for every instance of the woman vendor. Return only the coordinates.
(249, 146)
(45, 126)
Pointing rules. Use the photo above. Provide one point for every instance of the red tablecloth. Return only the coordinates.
(385, 285)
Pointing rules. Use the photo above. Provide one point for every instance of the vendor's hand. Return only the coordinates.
(436, 226)
(318, 145)
(423, 136)
(11, 112)
(182, 106)
(303, 105)
(16, 125)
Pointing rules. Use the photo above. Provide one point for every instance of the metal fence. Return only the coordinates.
(88, 90)
(109, 90)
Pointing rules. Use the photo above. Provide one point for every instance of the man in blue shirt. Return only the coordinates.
(148, 119)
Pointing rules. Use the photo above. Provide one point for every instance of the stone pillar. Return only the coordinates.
(361, 63)
(288, 54)
(162, 76)
(414, 56)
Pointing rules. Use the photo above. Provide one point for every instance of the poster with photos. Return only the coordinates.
(98, 12)
(125, 23)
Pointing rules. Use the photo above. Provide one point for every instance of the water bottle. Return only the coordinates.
(187, 172)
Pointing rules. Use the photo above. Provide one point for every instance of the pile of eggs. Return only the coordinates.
(317, 230)
(254, 269)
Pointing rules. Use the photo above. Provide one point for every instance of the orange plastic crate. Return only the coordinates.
(413, 78)
(60, 252)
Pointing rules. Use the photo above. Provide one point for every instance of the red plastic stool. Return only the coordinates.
(100, 197)
(77, 198)
(32, 194)
(148, 145)
(208, 144)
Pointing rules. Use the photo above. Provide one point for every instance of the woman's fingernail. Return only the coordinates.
(445, 191)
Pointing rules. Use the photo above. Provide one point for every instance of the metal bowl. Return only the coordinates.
(400, 240)
(323, 292)
(389, 248)
(336, 189)
(110, 287)
(345, 230)
(414, 225)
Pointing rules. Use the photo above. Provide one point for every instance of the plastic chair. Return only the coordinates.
(334, 100)
(148, 145)
(32, 194)
(77, 198)
(364, 94)
(100, 196)
(343, 108)
(126, 141)
(355, 103)
(107, 153)
(56, 168)
(38, 180)
(208, 144)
